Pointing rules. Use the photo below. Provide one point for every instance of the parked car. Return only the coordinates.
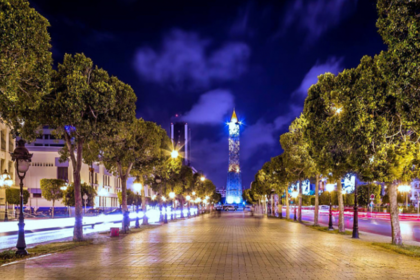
(247, 208)
(230, 208)
(324, 207)
(218, 207)
(117, 211)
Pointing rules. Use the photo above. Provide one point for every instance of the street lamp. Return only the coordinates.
(174, 154)
(330, 188)
(22, 157)
(6, 182)
(202, 178)
(137, 188)
(295, 194)
(85, 197)
(405, 189)
(173, 213)
(166, 214)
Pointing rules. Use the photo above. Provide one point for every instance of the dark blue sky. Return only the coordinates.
(200, 59)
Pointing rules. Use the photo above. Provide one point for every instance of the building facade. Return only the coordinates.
(234, 179)
(7, 145)
(181, 140)
(46, 165)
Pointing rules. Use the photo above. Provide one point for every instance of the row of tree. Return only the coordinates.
(91, 110)
(363, 121)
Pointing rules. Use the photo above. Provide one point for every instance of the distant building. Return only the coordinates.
(181, 139)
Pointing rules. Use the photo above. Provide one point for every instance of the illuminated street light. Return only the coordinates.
(22, 159)
(188, 198)
(153, 197)
(405, 189)
(172, 195)
(338, 110)
(6, 181)
(174, 154)
(295, 194)
(137, 186)
(193, 193)
(202, 178)
(163, 198)
(329, 188)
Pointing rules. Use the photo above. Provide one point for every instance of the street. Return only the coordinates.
(235, 246)
(410, 228)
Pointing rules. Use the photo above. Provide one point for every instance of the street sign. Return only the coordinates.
(372, 197)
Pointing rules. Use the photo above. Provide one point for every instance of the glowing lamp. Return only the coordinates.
(5, 174)
(137, 185)
(8, 181)
(229, 200)
(329, 187)
(174, 154)
(238, 200)
(198, 200)
(188, 198)
(172, 195)
(153, 197)
(163, 198)
(404, 188)
(63, 188)
(103, 192)
(193, 193)
(202, 178)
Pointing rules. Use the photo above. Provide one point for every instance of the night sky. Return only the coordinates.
(201, 59)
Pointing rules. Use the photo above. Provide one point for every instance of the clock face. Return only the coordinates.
(233, 128)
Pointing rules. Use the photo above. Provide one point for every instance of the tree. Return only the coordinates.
(86, 104)
(135, 143)
(132, 198)
(26, 61)
(51, 190)
(13, 196)
(279, 170)
(68, 195)
(216, 197)
(364, 192)
(182, 185)
(299, 163)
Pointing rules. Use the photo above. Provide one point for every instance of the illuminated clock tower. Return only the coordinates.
(234, 181)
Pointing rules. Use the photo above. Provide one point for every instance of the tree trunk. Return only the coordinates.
(287, 204)
(52, 212)
(341, 225)
(78, 206)
(144, 205)
(126, 218)
(393, 207)
(300, 202)
(181, 203)
(316, 210)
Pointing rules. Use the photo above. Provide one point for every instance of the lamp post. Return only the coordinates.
(22, 157)
(193, 200)
(355, 233)
(137, 187)
(295, 194)
(173, 213)
(6, 182)
(405, 189)
(164, 205)
(64, 188)
(188, 198)
(85, 197)
(330, 188)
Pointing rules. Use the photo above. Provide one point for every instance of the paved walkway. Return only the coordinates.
(234, 246)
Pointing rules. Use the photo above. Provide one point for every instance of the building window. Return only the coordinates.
(63, 173)
(36, 195)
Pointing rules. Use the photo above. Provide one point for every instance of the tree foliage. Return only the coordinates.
(13, 196)
(26, 61)
(68, 195)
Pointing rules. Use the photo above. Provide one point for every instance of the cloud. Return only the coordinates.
(332, 65)
(185, 61)
(315, 17)
(256, 136)
(211, 107)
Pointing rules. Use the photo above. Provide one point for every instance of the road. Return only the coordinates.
(234, 246)
(42, 230)
(410, 228)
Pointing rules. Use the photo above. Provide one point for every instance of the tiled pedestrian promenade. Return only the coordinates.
(234, 246)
